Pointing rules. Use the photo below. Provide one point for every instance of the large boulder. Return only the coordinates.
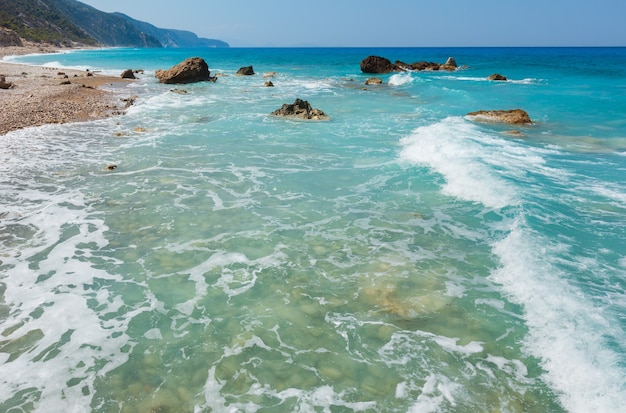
(191, 70)
(377, 64)
(514, 116)
(300, 109)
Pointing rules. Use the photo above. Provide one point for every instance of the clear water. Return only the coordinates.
(397, 258)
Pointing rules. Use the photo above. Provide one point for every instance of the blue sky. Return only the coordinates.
(401, 23)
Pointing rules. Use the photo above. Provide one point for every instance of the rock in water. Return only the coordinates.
(191, 70)
(4, 84)
(300, 109)
(514, 116)
(497, 76)
(377, 64)
(245, 71)
(9, 38)
(374, 81)
(451, 63)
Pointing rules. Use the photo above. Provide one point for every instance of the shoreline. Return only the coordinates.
(42, 95)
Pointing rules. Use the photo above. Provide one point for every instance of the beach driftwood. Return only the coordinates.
(300, 109)
(514, 116)
(191, 70)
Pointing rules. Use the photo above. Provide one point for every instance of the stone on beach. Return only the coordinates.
(514, 116)
(128, 74)
(191, 70)
(4, 84)
(300, 109)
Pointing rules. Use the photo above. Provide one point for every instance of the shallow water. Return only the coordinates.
(396, 258)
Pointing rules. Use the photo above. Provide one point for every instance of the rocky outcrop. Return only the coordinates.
(191, 70)
(374, 81)
(377, 64)
(514, 116)
(497, 76)
(300, 109)
(128, 74)
(245, 71)
(451, 63)
(9, 38)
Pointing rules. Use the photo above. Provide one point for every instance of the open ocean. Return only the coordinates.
(396, 258)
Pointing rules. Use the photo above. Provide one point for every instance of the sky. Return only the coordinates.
(397, 23)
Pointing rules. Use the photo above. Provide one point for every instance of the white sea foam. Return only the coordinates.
(451, 147)
(63, 324)
(563, 326)
(399, 79)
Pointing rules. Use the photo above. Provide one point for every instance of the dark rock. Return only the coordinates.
(128, 74)
(245, 71)
(374, 81)
(191, 70)
(514, 116)
(269, 83)
(4, 84)
(377, 64)
(300, 109)
(418, 66)
(497, 76)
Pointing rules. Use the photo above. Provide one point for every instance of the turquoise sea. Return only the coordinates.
(399, 257)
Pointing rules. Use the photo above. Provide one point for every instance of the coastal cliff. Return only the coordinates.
(70, 22)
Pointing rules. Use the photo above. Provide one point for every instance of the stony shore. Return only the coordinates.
(41, 95)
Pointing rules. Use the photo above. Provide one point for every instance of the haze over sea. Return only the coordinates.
(397, 258)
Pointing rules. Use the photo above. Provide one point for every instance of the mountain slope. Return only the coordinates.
(172, 37)
(38, 21)
(106, 28)
(72, 22)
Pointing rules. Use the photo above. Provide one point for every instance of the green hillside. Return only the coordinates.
(69, 22)
(39, 21)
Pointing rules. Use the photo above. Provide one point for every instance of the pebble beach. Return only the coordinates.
(42, 95)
